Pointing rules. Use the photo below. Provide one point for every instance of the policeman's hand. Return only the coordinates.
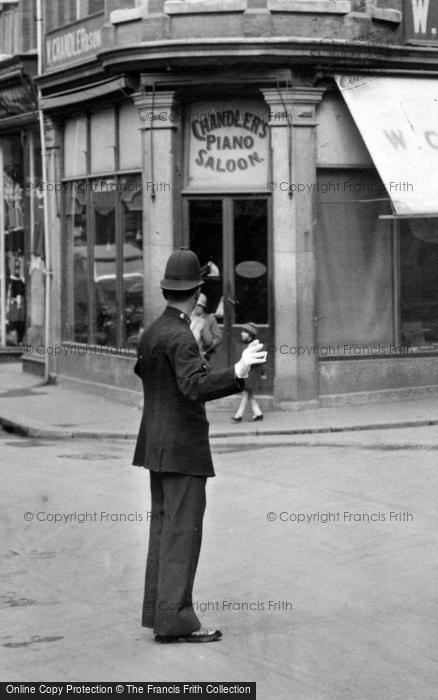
(252, 355)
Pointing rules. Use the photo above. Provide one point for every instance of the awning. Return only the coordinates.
(83, 93)
(398, 120)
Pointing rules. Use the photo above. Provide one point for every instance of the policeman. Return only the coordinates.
(173, 444)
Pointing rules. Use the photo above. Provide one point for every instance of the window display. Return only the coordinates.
(13, 223)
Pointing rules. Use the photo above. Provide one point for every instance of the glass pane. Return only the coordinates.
(206, 242)
(251, 260)
(354, 263)
(95, 6)
(67, 11)
(76, 322)
(75, 147)
(103, 141)
(132, 238)
(129, 137)
(419, 282)
(103, 201)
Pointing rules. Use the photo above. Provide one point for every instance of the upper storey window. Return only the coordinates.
(60, 13)
(17, 27)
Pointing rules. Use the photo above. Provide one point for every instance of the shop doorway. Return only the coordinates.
(230, 235)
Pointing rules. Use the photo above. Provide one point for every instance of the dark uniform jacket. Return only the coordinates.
(173, 434)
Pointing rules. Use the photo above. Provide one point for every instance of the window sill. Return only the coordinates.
(177, 7)
(340, 7)
(83, 349)
(383, 354)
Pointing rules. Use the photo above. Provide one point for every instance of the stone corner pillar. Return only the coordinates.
(158, 124)
(293, 147)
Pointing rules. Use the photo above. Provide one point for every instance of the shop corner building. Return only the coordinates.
(292, 145)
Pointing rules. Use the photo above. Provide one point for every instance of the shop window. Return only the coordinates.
(419, 282)
(354, 262)
(129, 137)
(12, 266)
(106, 308)
(104, 261)
(76, 327)
(102, 141)
(103, 204)
(75, 146)
(132, 261)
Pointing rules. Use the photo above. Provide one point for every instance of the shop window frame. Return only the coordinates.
(396, 272)
(67, 249)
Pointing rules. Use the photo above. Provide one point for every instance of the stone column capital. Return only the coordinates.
(292, 106)
(156, 109)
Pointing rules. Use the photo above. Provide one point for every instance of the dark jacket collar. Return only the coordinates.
(176, 313)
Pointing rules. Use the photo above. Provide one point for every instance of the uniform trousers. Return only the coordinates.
(178, 505)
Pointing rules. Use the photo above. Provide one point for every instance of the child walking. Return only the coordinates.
(253, 382)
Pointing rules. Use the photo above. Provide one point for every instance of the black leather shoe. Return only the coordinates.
(236, 419)
(259, 417)
(195, 637)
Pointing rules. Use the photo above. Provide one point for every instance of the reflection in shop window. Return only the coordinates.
(103, 203)
(132, 263)
(104, 273)
(77, 270)
(14, 259)
(419, 282)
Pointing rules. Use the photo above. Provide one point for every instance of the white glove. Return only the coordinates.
(252, 355)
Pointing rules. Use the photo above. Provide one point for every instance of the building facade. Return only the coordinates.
(290, 144)
(21, 208)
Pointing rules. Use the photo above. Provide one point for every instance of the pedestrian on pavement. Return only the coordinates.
(253, 384)
(205, 328)
(173, 444)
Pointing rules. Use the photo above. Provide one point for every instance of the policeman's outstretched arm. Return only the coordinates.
(252, 355)
(195, 379)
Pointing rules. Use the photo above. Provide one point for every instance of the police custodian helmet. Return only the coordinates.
(183, 271)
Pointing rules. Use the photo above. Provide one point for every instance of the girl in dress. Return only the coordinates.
(253, 382)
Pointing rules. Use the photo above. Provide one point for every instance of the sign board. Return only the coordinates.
(398, 120)
(73, 43)
(228, 145)
(421, 21)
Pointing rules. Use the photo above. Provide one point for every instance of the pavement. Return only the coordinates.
(30, 407)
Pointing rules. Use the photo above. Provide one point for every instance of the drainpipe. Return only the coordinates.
(47, 269)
